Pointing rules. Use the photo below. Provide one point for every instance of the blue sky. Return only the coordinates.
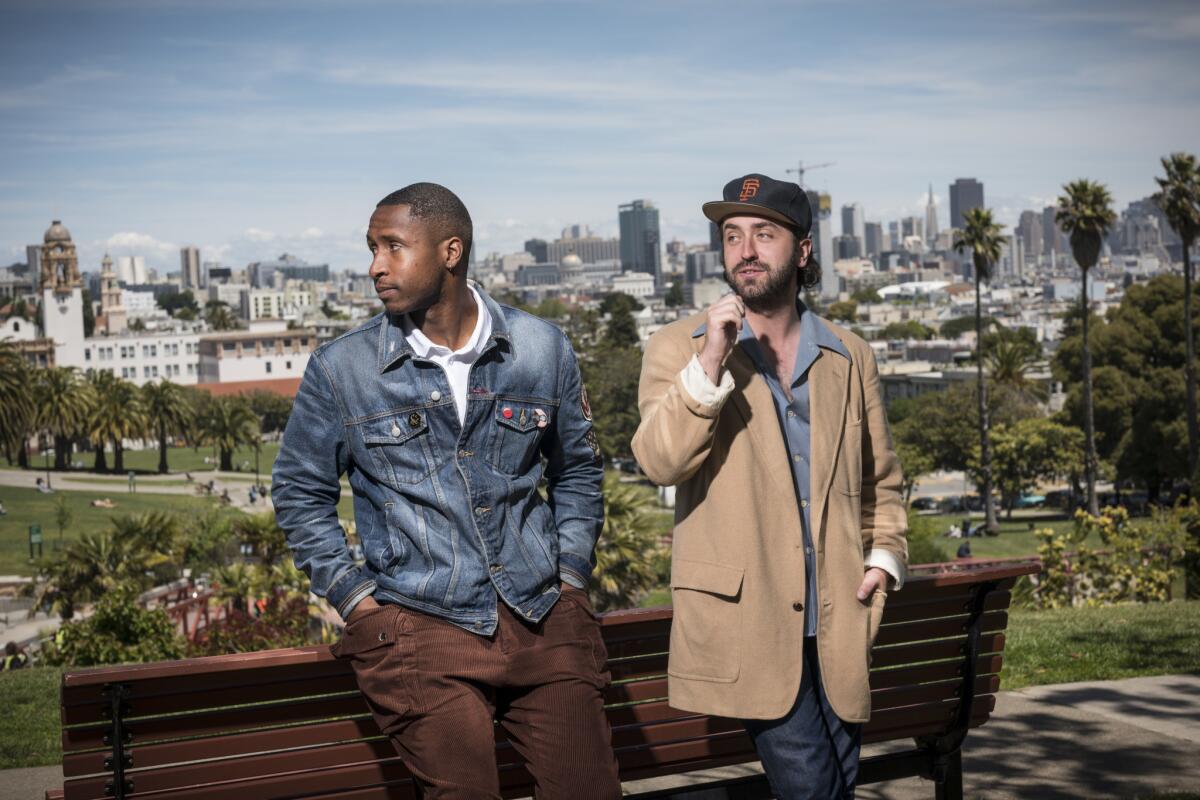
(255, 127)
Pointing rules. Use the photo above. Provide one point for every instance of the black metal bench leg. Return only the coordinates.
(950, 787)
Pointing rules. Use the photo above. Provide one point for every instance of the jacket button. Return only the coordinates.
(797, 606)
(435, 395)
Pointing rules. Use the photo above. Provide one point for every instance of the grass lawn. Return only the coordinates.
(30, 732)
(185, 459)
(1015, 538)
(26, 506)
(1105, 643)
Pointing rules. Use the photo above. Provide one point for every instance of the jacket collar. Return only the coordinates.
(814, 334)
(394, 346)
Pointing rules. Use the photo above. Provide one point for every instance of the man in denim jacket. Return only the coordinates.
(471, 604)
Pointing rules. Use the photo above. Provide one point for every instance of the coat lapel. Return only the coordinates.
(753, 401)
(828, 389)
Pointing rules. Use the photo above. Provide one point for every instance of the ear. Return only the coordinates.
(805, 246)
(452, 252)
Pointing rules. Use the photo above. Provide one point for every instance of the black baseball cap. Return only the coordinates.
(758, 195)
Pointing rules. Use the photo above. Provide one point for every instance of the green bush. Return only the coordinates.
(119, 632)
(923, 545)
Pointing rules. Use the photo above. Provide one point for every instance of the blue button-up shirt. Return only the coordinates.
(795, 422)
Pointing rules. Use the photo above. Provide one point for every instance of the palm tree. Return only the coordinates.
(16, 402)
(167, 413)
(219, 317)
(981, 236)
(1009, 361)
(1085, 212)
(230, 423)
(64, 402)
(628, 550)
(1179, 198)
(117, 415)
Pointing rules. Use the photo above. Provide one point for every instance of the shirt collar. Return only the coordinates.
(394, 345)
(423, 347)
(814, 333)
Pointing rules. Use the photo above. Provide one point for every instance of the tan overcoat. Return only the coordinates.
(737, 568)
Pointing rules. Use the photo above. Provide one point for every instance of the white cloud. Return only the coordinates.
(258, 235)
(134, 243)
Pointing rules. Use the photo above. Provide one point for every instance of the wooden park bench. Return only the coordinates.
(291, 723)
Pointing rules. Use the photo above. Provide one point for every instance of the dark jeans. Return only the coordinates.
(809, 753)
(435, 689)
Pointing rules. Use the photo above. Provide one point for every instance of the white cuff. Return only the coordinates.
(702, 390)
(887, 561)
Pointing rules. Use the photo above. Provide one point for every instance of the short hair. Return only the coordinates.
(440, 208)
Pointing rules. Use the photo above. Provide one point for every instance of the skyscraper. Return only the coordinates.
(965, 194)
(189, 267)
(931, 223)
(822, 237)
(872, 239)
(852, 221)
(1052, 236)
(640, 239)
(1029, 228)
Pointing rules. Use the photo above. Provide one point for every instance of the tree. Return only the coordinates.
(1139, 393)
(954, 328)
(1085, 213)
(63, 401)
(618, 300)
(1179, 198)
(175, 302)
(271, 409)
(844, 311)
(674, 296)
(629, 557)
(167, 412)
(1010, 356)
(230, 423)
(622, 329)
(116, 415)
(16, 403)
(910, 329)
(219, 317)
(89, 313)
(866, 296)
(1031, 450)
(981, 236)
(63, 515)
(914, 463)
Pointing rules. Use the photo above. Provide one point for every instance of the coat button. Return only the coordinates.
(797, 606)
(435, 395)
(395, 429)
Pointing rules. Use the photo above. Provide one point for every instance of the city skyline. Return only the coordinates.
(249, 132)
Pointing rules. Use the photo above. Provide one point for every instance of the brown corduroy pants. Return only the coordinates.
(435, 690)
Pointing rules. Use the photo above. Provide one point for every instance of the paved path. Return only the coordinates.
(237, 483)
(1108, 739)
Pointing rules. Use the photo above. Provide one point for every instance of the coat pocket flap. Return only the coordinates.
(718, 579)
(395, 428)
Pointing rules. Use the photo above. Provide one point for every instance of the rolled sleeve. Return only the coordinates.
(889, 563)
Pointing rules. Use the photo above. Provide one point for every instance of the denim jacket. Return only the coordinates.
(449, 515)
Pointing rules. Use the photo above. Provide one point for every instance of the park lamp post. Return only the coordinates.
(44, 443)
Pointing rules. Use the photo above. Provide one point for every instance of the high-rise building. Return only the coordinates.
(716, 242)
(1029, 229)
(1053, 240)
(931, 223)
(912, 226)
(640, 239)
(822, 236)
(537, 249)
(33, 264)
(189, 268)
(872, 239)
(965, 194)
(131, 270)
(852, 221)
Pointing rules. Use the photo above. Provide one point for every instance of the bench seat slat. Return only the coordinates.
(925, 630)
(933, 651)
(932, 609)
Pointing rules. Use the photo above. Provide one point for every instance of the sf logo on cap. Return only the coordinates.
(749, 189)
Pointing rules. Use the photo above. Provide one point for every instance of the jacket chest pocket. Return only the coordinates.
(518, 428)
(400, 444)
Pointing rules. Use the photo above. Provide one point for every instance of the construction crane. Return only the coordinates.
(801, 169)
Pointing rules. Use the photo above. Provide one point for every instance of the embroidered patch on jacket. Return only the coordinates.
(584, 405)
(590, 438)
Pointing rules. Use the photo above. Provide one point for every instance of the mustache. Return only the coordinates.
(755, 263)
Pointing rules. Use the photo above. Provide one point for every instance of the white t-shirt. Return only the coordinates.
(456, 363)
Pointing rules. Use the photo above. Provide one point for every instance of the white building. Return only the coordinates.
(145, 357)
(634, 284)
(131, 270)
(138, 304)
(267, 352)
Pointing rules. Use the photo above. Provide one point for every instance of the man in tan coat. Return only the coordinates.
(789, 524)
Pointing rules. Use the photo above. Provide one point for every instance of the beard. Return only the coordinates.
(777, 288)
